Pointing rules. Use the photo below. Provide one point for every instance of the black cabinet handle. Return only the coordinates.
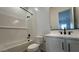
(62, 45)
(69, 47)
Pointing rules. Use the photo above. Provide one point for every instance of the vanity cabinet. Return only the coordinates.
(72, 45)
(55, 44)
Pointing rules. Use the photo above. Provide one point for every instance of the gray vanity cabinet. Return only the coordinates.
(72, 45)
(54, 44)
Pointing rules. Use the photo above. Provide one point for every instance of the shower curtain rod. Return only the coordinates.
(26, 10)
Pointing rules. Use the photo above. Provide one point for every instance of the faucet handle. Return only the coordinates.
(28, 37)
(69, 32)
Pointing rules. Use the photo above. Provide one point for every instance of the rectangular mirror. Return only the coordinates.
(62, 17)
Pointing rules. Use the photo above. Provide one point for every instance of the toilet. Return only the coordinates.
(33, 47)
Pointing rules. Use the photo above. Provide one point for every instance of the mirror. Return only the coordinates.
(62, 17)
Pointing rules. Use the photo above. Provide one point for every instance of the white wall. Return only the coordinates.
(43, 21)
(13, 27)
(40, 20)
(77, 16)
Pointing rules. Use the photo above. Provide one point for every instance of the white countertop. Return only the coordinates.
(74, 34)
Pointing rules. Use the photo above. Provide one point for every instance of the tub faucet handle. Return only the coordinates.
(28, 37)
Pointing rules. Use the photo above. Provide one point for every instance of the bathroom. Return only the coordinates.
(39, 29)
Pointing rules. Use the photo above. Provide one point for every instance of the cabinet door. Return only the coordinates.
(54, 44)
(61, 45)
(73, 45)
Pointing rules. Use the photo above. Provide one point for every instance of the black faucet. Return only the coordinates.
(64, 31)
